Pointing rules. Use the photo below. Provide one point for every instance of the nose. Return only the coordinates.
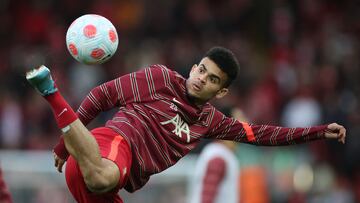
(202, 78)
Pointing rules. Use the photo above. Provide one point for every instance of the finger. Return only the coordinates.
(54, 155)
(56, 162)
(332, 135)
(340, 139)
(333, 126)
(343, 138)
(336, 127)
(342, 135)
(342, 131)
(60, 166)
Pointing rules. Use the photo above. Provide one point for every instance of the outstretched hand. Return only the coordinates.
(336, 131)
(59, 163)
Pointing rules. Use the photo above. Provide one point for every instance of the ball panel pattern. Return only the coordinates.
(89, 31)
(92, 39)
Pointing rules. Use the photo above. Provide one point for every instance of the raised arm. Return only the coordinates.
(134, 87)
(265, 135)
(100, 98)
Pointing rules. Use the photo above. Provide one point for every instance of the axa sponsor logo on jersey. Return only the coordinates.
(180, 126)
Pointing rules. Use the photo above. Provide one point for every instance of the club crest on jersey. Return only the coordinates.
(180, 126)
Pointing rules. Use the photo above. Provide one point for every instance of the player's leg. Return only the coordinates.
(100, 175)
(112, 147)
(79, 190)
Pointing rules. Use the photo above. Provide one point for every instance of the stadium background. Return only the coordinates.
(299, 66)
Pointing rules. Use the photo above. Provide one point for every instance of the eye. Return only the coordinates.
(201, 70)
(214, 80)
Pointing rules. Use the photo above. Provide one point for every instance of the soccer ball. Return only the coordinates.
(91, 39)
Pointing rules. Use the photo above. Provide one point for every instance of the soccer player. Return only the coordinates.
(216, 175)
(5, 196)
(161, 117)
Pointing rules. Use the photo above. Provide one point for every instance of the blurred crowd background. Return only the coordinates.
(299, 67)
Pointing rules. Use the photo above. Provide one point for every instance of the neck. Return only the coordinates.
(194, 100)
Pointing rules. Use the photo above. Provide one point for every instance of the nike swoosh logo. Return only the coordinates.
(62, 112)
(176, 101)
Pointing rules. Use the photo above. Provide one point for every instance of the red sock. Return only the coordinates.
(63, 113)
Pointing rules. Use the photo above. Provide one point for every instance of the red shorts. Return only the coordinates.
(113, 147)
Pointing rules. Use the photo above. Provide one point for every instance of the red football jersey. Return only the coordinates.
(5, 196)
(161, 125)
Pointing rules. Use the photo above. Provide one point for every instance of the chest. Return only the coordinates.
(175, 116)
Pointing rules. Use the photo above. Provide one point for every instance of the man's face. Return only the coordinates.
(206, 81)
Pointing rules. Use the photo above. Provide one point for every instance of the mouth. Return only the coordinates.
(196, 87)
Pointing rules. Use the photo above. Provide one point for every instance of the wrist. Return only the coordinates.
(60, 150)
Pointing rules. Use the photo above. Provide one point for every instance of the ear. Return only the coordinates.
(221, 93)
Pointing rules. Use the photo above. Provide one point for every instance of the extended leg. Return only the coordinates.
(100, 175)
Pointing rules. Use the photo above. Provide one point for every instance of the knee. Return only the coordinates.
(98, 183)
(102, 179)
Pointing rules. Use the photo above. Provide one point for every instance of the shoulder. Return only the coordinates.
(217, 162)
(164, 73)
(164, 70)
(159, 68)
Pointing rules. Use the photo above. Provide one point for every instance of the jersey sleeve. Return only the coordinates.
(214, 175)
(134, 87)
(231, 129)
(4, 191)
(131, 88)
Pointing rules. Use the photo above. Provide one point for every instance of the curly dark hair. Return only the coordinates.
(226, 61)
